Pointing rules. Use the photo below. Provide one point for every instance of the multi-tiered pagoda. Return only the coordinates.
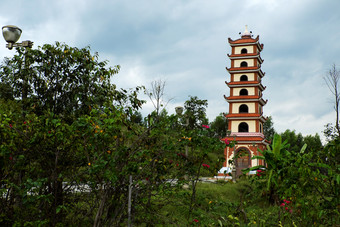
(245, 115)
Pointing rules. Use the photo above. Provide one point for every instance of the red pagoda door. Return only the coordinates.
(243, 161)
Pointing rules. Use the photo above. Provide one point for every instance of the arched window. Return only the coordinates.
(244, 51)
(243, 78)
(243, 109)
(243, 127)
(244, 64)
(244, 91)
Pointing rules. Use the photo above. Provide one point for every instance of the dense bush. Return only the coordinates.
(70, 154)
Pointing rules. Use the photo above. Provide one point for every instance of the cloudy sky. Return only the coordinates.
(185, 43)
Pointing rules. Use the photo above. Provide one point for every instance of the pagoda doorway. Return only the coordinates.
(243, 160)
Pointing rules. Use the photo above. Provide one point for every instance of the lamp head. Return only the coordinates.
(11, 33)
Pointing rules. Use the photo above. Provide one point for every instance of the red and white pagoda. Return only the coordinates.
(245, 117)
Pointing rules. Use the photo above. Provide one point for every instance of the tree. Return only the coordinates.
(195, 112)
(64, 80)
(314, 143)
(268, 129)
(294, 140)
(69, 159)
(58, 87)
(157, 96)
(220, 126)
(332, 81)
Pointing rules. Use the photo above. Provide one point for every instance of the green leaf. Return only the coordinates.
(303, 148)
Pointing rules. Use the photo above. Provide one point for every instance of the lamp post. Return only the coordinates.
(12, 34)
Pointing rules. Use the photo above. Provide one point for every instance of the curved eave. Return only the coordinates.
(246, 41)
(245, 84)
(246, 70)
(254, 98)
(246, 116)
(246, 139)
(245, 56)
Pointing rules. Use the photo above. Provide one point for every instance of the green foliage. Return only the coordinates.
(219, 126)
(64, 80)
(308, 180)
(195, 112)
(295, 140)
(70, 142)
(268, 129)
(330, 132)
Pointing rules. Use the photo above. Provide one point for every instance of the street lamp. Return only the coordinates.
(12, 34)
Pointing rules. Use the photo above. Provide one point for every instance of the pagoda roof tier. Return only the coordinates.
(246, 84)
(247, 137)
(246, 116)
(245, 56)
(246, 40)
(246, 98)
(246, 70)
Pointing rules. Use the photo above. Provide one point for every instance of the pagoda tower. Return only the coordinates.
(245, 117)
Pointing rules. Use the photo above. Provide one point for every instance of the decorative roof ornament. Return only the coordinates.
(246, 33)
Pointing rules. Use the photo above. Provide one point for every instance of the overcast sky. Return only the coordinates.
(185, 44)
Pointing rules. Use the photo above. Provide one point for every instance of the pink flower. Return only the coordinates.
(226, 141)
(286, 208)
(282, 204)
(206, 165)
(290, 211)
(205, 126)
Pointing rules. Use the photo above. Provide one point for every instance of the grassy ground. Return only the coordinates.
(216, 203)
(219, 204)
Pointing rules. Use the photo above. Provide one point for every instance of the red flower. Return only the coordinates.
(286, 208)
(10, 125)
(195, 220)
(24, 122)
(282, 204)
(206, 165)
(226, 141)
(205, 126)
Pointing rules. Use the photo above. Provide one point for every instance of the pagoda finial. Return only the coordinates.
(246, 32)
